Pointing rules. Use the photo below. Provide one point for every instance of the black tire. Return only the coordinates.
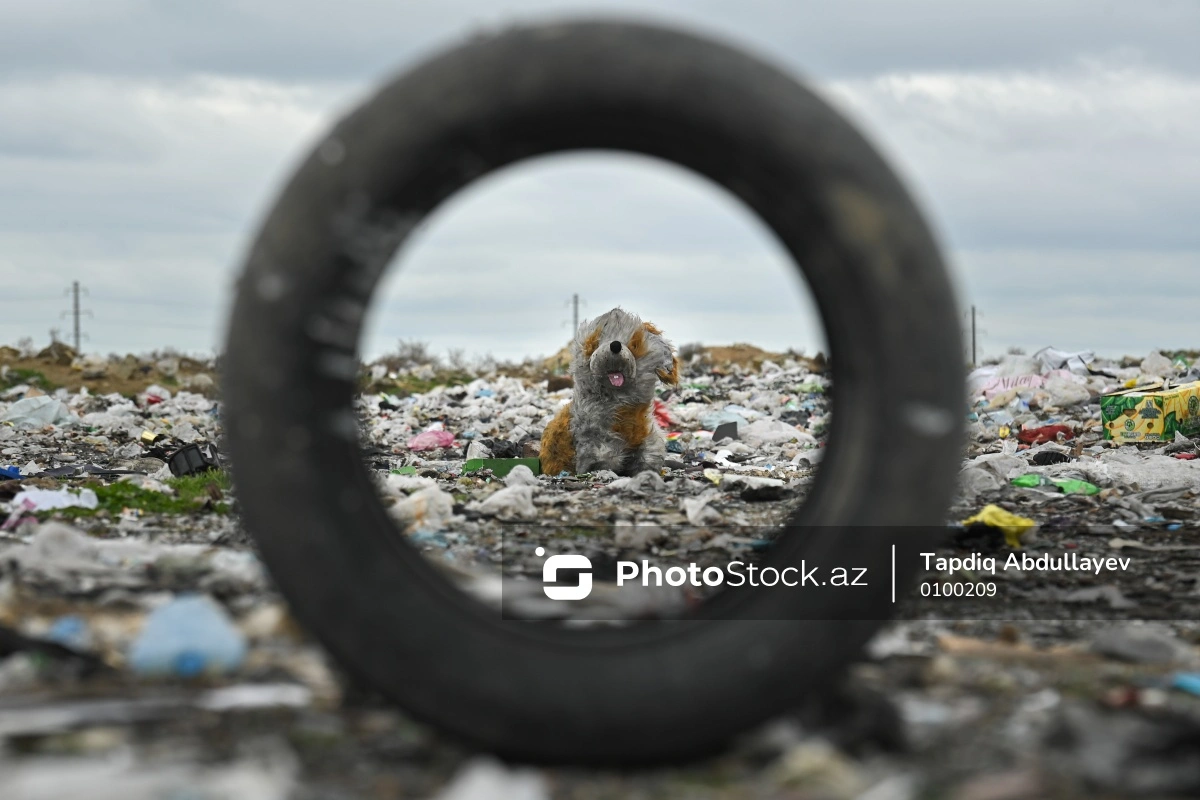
(647, 693)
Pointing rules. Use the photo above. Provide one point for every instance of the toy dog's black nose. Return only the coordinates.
(615, 347)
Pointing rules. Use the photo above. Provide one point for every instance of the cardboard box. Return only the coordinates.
(1151, 413)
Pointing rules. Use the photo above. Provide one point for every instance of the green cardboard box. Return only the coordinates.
(1151, 413)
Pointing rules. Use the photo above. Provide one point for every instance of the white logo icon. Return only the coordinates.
(550, 575)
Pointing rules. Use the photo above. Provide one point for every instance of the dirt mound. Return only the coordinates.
(58, 353)
(57, 366)
(558, 363)
(749, 356)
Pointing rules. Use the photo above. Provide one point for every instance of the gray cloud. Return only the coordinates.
(1094, 155)
(317, 40)
(618, 230)
(1054, 145)
(1115, 302)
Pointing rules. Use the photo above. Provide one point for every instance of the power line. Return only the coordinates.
(976, 331)
(76, 312)
(574, 301)
(974, 351)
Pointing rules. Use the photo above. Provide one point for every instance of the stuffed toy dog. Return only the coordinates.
(615, 361)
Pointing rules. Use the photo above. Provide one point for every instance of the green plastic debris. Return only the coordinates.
(1031, 481)
(1065, 485)
(405, 471)
(502, 466)
(1077, 487)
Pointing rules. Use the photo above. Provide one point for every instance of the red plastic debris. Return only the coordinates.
(1122, 697)
(153, 399)
(1185, 456)
(1047, 433)
(431, 440)
(662, 416)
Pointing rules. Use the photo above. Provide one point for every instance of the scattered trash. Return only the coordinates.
(189, 636)
(818, 769)
(1046, 433)
(1012, 526)
(1119, 753)
(1066, 485)
(194, 458)
(53, 718)
(755, 489)
(716, 419)
(643, 483)
(70, 631)
(1093, 594)
(429, 508)
(727, 430)
(60, 645)
(520, 475)
(488, 779)
(1138, 644)
(512, 502)
(74, 594)
(38, 412)
(1045, 458)
(34, 499)
(1186, 682)
(699, 511)
(255, 695)
(80, 470)
(477, 451)
(1157, 365)
(765, 432)
(662, 416)
(431, 440)
(1051, 358)
(502, 466)
(1151, 414)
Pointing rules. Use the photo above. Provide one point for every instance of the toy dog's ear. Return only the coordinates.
(670, 376)
(668, 371)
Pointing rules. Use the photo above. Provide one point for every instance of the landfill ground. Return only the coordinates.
(144, 652)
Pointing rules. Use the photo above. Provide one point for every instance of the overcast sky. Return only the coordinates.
(1054, 146)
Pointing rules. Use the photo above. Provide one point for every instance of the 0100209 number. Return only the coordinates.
(958, 589)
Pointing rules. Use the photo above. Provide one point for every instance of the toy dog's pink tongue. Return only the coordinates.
(616, 379)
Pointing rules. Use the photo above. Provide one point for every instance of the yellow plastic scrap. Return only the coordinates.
(713, 475)
(1007, 523)
(1004, 431)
